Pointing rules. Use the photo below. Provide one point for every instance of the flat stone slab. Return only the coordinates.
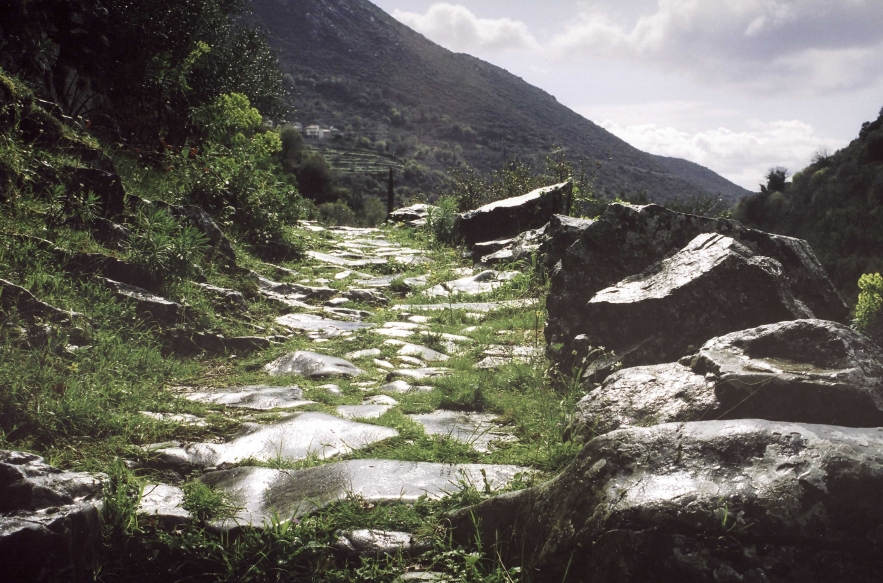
(327, 327)
(483, 307)
(343, 262)
(418, 374)
(362, 411)
(476, 429)
(375, 543)
(182, 418)
(366, 353)
(312, 365)
(421, 352)
(497, 356)
(263, 493)
(480, 283)
(165, 503)
(293, 438)
(259, 397)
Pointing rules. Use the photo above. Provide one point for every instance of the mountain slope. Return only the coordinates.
(352, 65)
(835, 203)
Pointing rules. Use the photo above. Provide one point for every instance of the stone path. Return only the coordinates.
(360, 341)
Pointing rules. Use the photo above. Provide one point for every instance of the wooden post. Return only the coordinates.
(390, 195)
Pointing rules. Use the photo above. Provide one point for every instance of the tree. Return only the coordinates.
(775, 180)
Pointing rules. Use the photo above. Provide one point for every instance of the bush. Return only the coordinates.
(336, 213)
(163, 247)
(869, 309)
(441, 219)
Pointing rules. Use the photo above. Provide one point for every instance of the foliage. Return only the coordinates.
(336, 213)
(164, 248)
(869, 309)
(836, 204)
(82, 56)
(441, 219)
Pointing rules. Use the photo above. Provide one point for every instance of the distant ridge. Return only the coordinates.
(352, 65)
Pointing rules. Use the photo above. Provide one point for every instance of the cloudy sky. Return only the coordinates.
(735, 85)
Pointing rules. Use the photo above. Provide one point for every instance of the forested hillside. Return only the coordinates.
(350, 65)
(835, 203)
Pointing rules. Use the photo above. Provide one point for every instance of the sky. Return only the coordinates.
(738, 86)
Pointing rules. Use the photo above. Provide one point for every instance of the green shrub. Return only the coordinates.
(442, 218)
(163, 247)
(336, 213)
(869, 309)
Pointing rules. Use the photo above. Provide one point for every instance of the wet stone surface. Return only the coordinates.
(476, 429)
(263, 492)
(259, 397)
(312, 365)
(292, 438)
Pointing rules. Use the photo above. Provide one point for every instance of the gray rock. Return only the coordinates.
(295, 437)
(148, 304)
(258, 397)
(225, 298)
(475, 429)
(366, 296)
(705, 502)
(711, 287)
(422, 352)
(50, 525)
(628, 239)
(24, 302)
(343, 262)
(367, 353)
(312, 365)
(517, 249)
(364, 411)
(186, 342)
(481, 283)
(376, 543)
(164, 503)
(325, 327)
(418, 374)
(809, 371)
(291, 292)
(483, 307)
(181, 418)
(263, 493)
(398, 386)
(561, 232)
(355, 315)
(511, 216)
(407, 214)
(647, 395)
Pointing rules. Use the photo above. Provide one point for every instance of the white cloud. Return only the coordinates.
(740, 156)
(455, 27)
(765, 46)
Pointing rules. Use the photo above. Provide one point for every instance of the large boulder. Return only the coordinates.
(511, 216)
(805, 371)
(811, 371)
(49, 520)
(626, 239)
(711, 287)
(735, 501)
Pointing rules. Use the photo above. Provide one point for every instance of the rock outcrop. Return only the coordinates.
(711, 287)
(49, 520)
(511, 216)
(805, 371)
(745, 500)
(627, 239)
